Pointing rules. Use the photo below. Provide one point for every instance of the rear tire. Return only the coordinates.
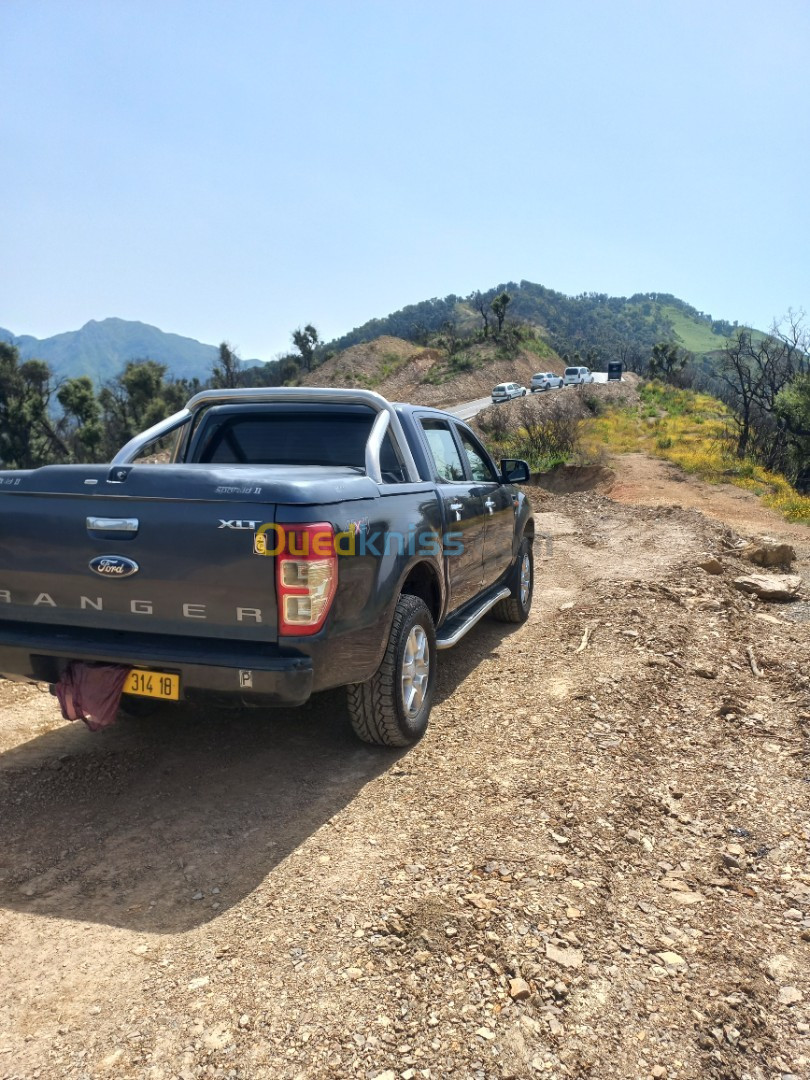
(393, 707)
(516, 607)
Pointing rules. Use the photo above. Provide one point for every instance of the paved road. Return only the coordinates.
(470, 408)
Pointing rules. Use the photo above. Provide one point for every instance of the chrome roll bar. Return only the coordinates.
(386, 420)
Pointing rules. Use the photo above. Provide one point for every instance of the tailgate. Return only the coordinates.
(155, 565)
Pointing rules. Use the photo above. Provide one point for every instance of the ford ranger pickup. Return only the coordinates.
(264, 544)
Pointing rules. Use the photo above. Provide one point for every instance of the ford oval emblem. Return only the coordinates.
(113, 566)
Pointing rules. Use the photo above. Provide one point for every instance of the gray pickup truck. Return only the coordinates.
(261, 545)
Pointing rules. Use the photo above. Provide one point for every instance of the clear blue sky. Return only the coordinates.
(234, 170)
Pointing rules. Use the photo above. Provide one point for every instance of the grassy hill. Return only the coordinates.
(695, 335)
(101, 349)
(605, 326)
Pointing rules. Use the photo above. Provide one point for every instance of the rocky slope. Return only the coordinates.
(402, 371)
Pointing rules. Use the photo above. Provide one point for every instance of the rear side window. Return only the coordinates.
(294, 437)
(444, 451)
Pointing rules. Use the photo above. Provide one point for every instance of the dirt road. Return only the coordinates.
(595, 864)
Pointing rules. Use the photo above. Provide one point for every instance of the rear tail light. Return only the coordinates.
(306, 577)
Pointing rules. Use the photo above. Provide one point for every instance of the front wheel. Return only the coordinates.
(516, 607)
(393, 707)
(523, 394)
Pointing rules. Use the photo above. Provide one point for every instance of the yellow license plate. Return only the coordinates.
(153, 684)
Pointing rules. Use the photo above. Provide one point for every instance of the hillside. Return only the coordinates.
(611, 326)
(402, 371)
(101, 349)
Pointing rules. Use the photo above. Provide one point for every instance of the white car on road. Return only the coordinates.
(575, 376)
(506, 391)
(545, 380)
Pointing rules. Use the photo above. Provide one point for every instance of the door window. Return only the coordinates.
(480, 467)
(446, 457)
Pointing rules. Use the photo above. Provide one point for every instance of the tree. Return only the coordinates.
(633, 357)
(739, 379)
(132, 402)
(450, 339)
(667, 361)
(28, 435)
(81, 422)
(306, 341)
(753, 372)
(289, 370)
(793, 413)
(499, 306)
(227, 369)
(481, 305)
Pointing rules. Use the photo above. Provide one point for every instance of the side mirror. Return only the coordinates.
(514, 471)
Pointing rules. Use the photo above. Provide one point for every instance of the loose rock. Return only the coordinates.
(767, 554)
(570, 958)
(790, 995)
(770, 587)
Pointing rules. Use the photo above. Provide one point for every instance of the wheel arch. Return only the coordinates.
(423, 580)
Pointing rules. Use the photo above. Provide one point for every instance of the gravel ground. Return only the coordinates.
(594, 865)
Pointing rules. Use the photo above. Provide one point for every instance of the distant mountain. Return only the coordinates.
(613, 327)
(101, 349)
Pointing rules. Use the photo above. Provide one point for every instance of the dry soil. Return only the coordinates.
(594, 865)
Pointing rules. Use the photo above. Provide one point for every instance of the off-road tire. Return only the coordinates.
(376, 708)
(515, 608)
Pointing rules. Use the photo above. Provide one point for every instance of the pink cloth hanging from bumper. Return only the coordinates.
(91, 692)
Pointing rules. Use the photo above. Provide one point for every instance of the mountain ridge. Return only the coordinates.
(102, 347)
(601, 326)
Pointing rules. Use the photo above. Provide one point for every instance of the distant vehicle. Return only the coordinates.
(545, 380)
(575, 376)
(506, 391)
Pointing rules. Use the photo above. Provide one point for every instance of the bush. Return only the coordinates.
(540, 435)
(548, 435)
(494, 423)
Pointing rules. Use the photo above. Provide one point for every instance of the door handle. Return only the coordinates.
(457, 507)
(490, 505)
(119, 525)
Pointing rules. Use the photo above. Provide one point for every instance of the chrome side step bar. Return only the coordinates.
(454, 632)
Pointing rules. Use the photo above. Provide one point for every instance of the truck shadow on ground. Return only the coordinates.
(161, 825)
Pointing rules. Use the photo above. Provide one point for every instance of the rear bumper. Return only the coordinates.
(255, 673)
